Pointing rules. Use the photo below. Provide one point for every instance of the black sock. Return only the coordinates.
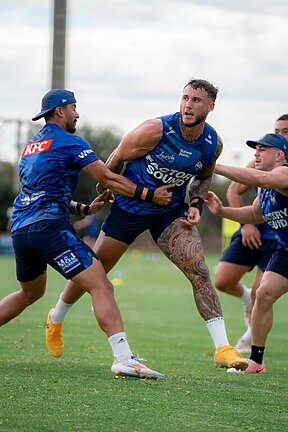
(257, 354)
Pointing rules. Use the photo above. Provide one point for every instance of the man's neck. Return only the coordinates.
(191, 134)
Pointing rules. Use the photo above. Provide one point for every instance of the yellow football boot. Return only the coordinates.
(54, 340)
(228, 357)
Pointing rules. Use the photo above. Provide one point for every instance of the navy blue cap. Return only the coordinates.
(271, 140)
(54, 98)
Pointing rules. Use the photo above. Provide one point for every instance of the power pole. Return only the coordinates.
(59, 44)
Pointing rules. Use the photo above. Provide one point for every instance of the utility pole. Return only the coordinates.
(59, 44)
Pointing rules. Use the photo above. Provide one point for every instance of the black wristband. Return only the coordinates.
(77, 209)
(150, 195)
(198, 203)
(138, 192)
(86, 210)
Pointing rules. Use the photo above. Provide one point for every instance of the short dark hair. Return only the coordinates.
(211, 90)
(49, 114)
(283, 117)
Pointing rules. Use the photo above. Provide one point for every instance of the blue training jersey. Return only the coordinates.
(265, 232)
(274, 207)
(49, 170)
(172, 160)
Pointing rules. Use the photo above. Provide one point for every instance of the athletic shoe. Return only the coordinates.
(228, 357)
(233, 370)
(54, 340)
(254, 367)
(134, 368)
(243, 345)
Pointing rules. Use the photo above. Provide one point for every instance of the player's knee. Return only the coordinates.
(104, 286)
(221, 283)
(32, 297)
(264, 296)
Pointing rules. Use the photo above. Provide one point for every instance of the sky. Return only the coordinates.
(128, 60)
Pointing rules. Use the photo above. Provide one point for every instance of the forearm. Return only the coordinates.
(247, 176)
(79, 209)
(123, 186)
(244, 215)
(113, 164)
(199, 186)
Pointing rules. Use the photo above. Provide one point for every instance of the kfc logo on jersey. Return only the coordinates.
(36, 147)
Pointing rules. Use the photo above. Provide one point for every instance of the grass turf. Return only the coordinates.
(77, 392)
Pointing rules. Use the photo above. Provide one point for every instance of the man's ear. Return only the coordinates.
(59, 111)
(280, 155)
(211, 106)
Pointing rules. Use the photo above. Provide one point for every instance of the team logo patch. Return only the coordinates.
(36, 147)
(67, 261)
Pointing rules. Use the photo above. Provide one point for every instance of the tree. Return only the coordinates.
(7, 193)
(103, 142)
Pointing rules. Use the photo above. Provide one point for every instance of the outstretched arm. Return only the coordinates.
(275, 179)
(247, 214)
(236, 190)
(251, 236)
(80, 209)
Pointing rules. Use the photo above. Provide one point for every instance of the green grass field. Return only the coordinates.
(77, 392)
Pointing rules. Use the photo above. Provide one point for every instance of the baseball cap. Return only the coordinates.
(271, 140)
(54, 98)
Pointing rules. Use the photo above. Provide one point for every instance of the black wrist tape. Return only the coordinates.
(86, 210)
(138, 192)
(198, 203)
(150, 195)
(77, 209)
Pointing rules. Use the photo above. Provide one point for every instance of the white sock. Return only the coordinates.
(60, 310)
(246, 296)
(120, 347)
(216, 327)
(247, 334)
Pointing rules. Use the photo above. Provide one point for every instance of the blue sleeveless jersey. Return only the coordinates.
(265, 232)
(274, 207)
(49, 171)
(172, 160)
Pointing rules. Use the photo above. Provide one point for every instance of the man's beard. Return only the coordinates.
(71, 128)
(196, 122)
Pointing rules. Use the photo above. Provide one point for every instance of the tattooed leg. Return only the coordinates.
(184, 248)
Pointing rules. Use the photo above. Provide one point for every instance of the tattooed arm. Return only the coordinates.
(198, 188)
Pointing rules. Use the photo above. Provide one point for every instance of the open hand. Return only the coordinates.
(251, 236)
(103, 198)
(213, 202)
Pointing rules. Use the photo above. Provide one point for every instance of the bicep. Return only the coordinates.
(139, 141)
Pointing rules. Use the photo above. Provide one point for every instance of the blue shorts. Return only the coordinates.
(126, 227)
(52, 242)
(278, 262)
(237, 253)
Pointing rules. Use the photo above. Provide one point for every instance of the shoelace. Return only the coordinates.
(137, 358)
